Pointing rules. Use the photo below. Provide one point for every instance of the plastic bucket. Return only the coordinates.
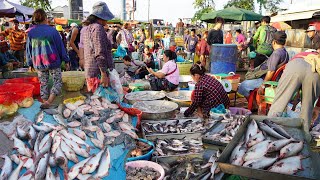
(28, 80)
(239, 111)
(191, 86)
(142, 163)
(145, 156)
(223, 58)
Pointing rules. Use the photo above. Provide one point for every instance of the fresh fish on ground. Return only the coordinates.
(69, 152)
(277, 128)
(257, 151)
(36, 150)
(52, 161)
(260, 163)
(60, 120)
(22, 134)
(267, 129)
(6, 168)
(51, 111)
(76, 147)
(21, 147)
(97, 143)
(92, 164)
(56, 143)
(42, 168)
(113, 133)
(80, 134)
(104, 165)
(15, 173)
(33, 136)
(70, 106)
(61, 159)
(42, 128)
(29, 175)
(75, 169)
(73, 137)
(291, 149)
(74, 124)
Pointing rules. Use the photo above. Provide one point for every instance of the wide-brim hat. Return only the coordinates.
(101, 10)
(59, 28)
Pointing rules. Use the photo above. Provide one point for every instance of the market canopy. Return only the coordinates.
(231, 14)
(8, 8)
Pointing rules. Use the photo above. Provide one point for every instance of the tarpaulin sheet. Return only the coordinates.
(118, 153)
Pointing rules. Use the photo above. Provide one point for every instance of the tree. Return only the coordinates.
(244, 4)
(36, 4)
(202, 6)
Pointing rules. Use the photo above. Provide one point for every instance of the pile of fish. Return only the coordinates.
(173, 126)
(141, 149)
(145, 95)
(195, 168)
(44, 145)
(169, 147)
(145, 173)
(144, 106)
(267, 145)
(315, 133)
(227, 133)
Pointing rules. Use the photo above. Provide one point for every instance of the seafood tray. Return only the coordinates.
(144, 96)
(182, 98)
(294, 127)
(157, 109)
(154, 134)
(216, 128)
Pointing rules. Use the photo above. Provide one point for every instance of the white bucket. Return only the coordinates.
(191, 85)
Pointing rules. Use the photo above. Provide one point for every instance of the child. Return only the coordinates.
(147, 58)
(135, 69)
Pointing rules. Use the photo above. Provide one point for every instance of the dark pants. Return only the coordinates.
(161, 84)
(259, 59)
(74, 60)
(19, 54)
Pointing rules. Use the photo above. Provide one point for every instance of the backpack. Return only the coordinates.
(266, 45)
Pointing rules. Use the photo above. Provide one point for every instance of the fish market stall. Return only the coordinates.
(144, 96)
(182, 98)
(157, 109)
(270, 148)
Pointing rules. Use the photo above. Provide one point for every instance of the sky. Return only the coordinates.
(169, 10)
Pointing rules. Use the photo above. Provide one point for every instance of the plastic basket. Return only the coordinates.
(239, 111)
(73, 80)
(150, 164)
(184, 68)
(146, 156)
(15, 92)
(28, 80)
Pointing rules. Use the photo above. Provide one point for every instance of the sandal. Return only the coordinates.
(45, 105)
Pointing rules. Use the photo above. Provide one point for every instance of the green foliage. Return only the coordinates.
(244, 4)
(202, 6)
(36, 4)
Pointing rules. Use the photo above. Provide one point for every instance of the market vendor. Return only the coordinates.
(168, 77)
(266, 70)
(136, 69)
(208, 93)
(301, 72)
(97, 47)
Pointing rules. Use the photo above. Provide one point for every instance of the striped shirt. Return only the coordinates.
(45, 49)
(16, 38)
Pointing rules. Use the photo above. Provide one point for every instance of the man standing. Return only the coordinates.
(17, 40)
(215, 35)
(191, 45)
(314, 36)
(179, 27)
(263, 40)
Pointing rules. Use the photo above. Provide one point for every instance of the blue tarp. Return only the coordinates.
(118, 153)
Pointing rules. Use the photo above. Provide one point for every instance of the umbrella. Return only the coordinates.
(231, 14)
(281, 26)
(8, 8)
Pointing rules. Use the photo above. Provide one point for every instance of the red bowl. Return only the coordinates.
(28, 80)
(15, 92)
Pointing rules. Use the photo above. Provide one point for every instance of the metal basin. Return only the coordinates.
(182, 98)
(157, 109)
(144, 96)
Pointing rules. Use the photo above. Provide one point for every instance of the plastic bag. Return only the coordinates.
(126, 79)
(293, 114)
(108, 93)
(121, 52)
(116, 83)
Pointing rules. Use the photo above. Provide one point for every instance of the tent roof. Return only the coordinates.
(10, 8)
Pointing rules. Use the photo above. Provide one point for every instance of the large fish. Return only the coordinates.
(92, 164)
(45, 144)
(56, 143)
(260, 163)
(289, 165)
(73, 137)
(61, 159)
(277, 128)
(29, 175)
(252, 130)
(36, 150)
(75, 169)
(255, 139)
(44, 128)
(69, 152)
(33, 136)
(238, 154)
(6, 168)
(76, 147)
(42, 168)
(267, 129)
(291, 149)
(39, 117)
(104, 165)
(60, 120)
(80, 134)
(257, 151)
(21, 147)
(49, 174)
(277, 145)
(22, 134)
(15, 173)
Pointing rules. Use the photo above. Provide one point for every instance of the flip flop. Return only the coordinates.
(45, 106)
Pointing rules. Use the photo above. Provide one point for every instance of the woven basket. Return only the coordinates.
(73, 80)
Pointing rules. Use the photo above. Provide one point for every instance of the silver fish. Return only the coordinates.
(29, 175)
(257, 151)
(69, 152)
(22, 134)
(61, 159)
(255, 139)
(15, 173)
(6, 168)
(107, 127)
(97, 143)
(75, 169)
(73, 137)
(42, 167)
(267, 129)
(74, 124)
(252, 130)
(37, 143)
(22, 148)
(132, 134)
(277, 128)
(104, 165)
(288, 165)
(260, 163)
(70, 106)
(80, 134)
(100, 135)
(33, 136)
(49, 174)
(291, 149)
(237, 154)
(51, 111)
(44, 128)
(60, 119)
(92, 164)
(39, 117)
(45, 144)
(76, 147)
(56, 143)
(277, 145)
